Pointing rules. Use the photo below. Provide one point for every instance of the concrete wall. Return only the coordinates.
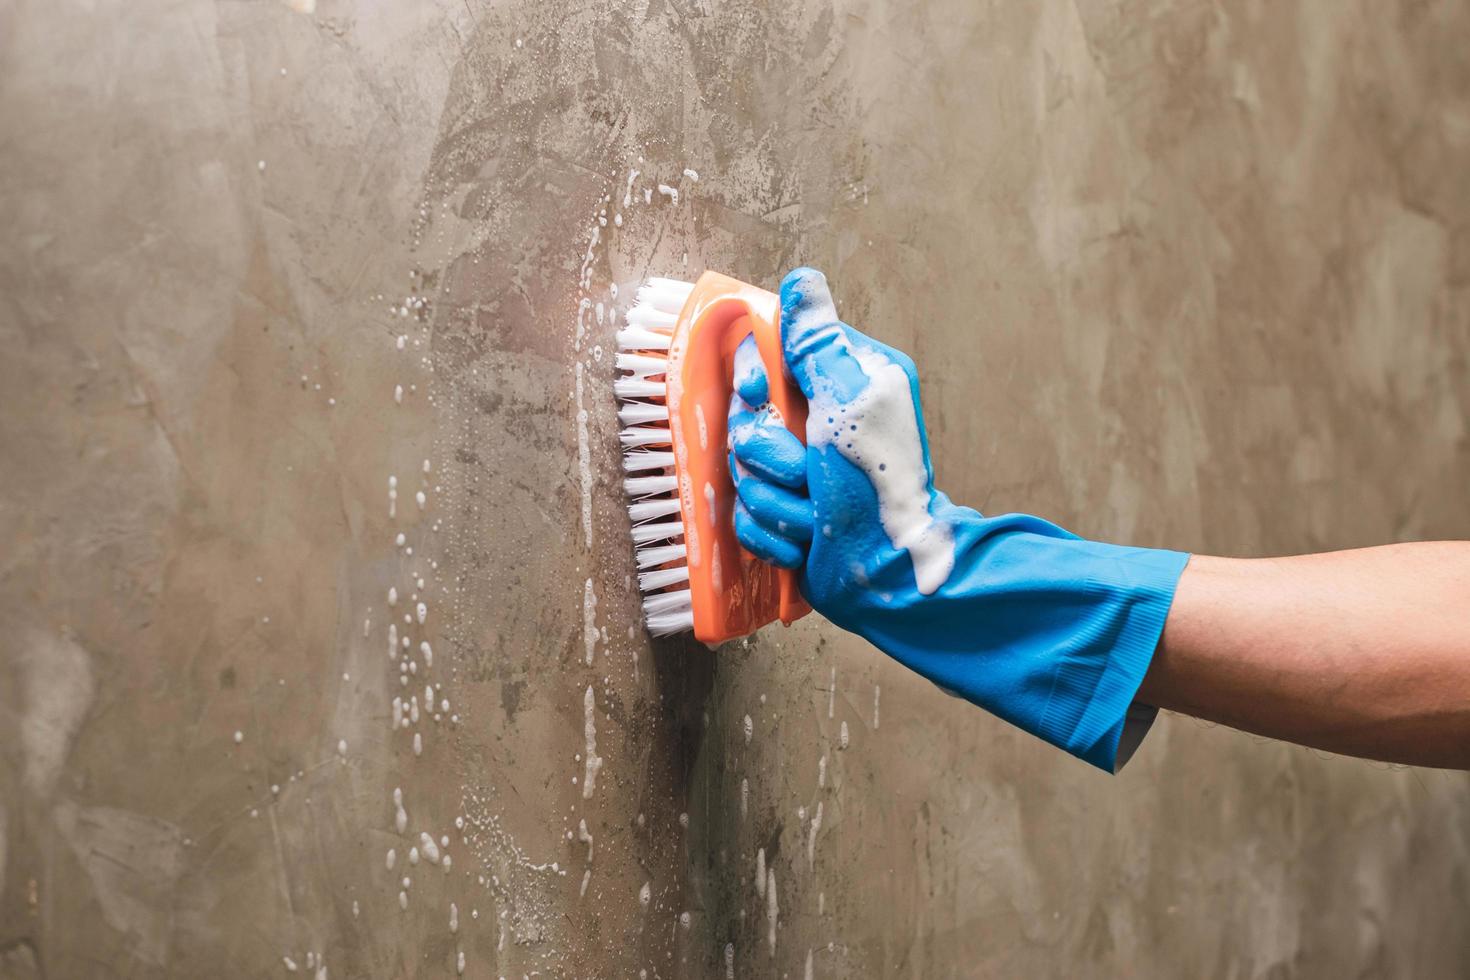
(1174, 273)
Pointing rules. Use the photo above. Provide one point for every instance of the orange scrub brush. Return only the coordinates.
(678, 352)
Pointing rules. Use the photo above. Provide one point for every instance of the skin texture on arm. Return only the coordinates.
(1363, 653)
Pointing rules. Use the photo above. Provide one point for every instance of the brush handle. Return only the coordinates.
(789, 401)
(733, 593)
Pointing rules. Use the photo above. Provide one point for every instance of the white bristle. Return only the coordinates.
(649, 331)
(642, 364)
(638, 462)
(631, 339)
(666, 283)
(647, 317)
(662, 555)
(645, 486)
(646, 435)
(647, 510)
(668, 612)
(667, 295)
(639, 388)
(667, 624)
(666, 602)
(648, 533)
(657, 579)
(636, 413)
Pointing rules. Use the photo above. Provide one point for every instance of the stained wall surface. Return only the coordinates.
(305, 320)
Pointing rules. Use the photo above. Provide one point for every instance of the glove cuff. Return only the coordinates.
(1091, 701)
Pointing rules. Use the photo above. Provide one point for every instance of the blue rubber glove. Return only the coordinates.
(1046, 630)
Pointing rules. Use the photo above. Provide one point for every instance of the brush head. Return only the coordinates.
(675, 364)
(651, 483)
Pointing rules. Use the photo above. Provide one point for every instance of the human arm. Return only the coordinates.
(1363, 652)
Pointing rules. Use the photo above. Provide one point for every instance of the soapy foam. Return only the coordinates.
(400, 816)
(748, 367)
(585, 836)
(584, 459)
(589, 622)
(589, 729)
(878, 432)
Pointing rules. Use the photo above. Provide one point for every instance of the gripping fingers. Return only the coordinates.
(814, 342)
(766, 449)
(816, 345)
(750, 374)
(763, 544)
(777, 509)
(808, 321)
(758, 439)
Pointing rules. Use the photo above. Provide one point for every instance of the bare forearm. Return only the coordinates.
(1362, 652)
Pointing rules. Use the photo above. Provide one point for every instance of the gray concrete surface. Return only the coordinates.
(1174, 273)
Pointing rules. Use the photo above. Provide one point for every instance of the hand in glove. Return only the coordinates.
(1046, 630)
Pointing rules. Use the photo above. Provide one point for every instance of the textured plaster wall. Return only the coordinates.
(1181, 274)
